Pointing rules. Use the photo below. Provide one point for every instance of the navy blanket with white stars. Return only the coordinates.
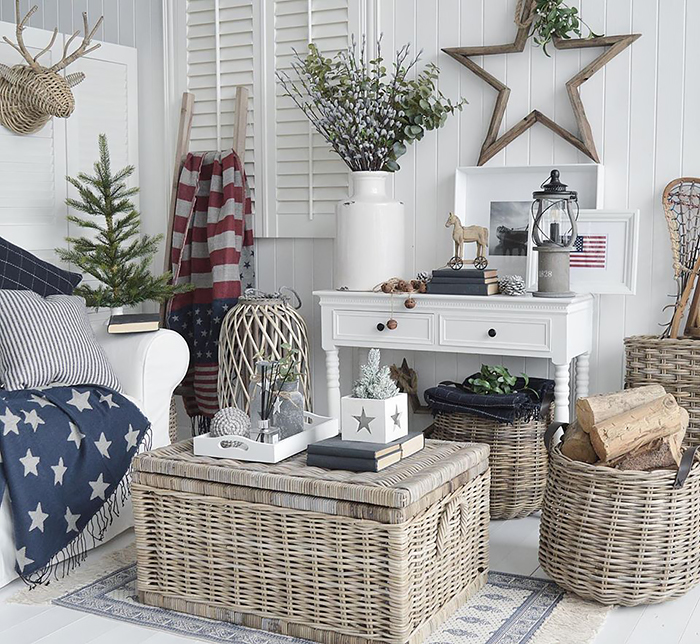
(65, 453)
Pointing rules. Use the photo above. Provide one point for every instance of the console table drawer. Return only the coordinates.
(361, 327)
(511, 333)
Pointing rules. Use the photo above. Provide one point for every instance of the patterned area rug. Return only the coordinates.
(510, 609)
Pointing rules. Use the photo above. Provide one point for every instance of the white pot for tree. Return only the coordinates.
(374, 420)
(369, 243)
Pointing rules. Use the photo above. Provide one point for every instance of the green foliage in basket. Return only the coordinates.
(497, 380)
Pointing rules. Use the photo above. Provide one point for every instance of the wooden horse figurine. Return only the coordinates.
(467, 234)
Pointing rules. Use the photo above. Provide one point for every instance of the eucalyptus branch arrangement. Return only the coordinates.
(367, 113)
(552, 19)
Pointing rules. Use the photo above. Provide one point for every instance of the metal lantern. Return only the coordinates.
(554, 211)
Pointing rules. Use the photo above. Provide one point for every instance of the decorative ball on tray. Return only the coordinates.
(230, 421)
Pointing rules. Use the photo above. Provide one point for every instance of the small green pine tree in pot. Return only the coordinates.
(116, 254)
(376, 412)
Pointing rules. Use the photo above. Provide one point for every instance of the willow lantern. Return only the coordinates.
(554, 211)
(261, 325)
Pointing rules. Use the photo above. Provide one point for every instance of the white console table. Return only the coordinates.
(526, 326)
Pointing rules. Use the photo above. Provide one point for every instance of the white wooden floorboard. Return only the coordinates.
(513, 545)
(665, 622)
(82, 631)
(41, 626)
(14, 614)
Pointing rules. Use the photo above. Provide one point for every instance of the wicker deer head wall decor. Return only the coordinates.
(31, 94)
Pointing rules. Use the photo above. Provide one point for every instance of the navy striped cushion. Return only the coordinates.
(20, 270)
(49, 340)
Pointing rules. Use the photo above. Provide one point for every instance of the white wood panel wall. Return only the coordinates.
(133, 23)
(643, 111)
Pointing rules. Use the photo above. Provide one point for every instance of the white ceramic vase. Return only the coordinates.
(370, 242)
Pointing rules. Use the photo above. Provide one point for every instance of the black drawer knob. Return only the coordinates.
(492, 333)
(380, 327)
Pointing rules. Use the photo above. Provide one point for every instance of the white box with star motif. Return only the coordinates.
(374, 421)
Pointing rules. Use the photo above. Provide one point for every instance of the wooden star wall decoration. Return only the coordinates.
(493, 144)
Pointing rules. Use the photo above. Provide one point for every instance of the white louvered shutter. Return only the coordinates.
(221, 55)
(305, 178)
(243, 42)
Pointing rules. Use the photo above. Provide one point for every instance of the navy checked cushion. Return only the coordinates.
(22, 271)
(49, 340)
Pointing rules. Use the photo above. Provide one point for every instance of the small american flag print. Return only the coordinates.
(589, 251)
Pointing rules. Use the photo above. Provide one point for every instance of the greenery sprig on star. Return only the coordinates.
(555, 19)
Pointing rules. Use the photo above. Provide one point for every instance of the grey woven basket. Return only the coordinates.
(518, 459)
(620, 537)
(675, 364)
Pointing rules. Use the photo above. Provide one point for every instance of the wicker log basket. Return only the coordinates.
(620, 537)
(672, 363)
(518, 459)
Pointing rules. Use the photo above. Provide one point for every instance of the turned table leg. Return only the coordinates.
(333, 382)
(582, 379)
(561, 393)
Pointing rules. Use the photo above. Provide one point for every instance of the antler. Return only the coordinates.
(84, 47)
(20, 47)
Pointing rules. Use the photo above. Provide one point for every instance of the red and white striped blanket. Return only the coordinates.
(213, 250)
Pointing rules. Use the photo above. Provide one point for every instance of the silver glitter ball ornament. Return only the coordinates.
(512, 285)
(230, 421)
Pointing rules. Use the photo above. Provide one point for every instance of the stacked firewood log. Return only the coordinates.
(634, 429)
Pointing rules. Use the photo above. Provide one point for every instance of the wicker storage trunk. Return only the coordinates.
(620, 537)
(330, 556)
(675, 364)
(518, 459)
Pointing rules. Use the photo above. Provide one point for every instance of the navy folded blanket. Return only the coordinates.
(456, 398)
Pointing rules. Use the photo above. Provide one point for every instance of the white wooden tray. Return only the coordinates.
(317, 428)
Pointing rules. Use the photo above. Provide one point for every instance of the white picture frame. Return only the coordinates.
(612, 268)
(478, 187)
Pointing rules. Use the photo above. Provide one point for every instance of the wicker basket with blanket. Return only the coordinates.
(513, 425)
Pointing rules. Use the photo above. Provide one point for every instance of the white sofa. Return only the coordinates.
(149, 367)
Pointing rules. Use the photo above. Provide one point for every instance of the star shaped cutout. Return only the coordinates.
(22, 560)
(131, 438)
(99, 487)
(80, 401)
(33, 419)
(493, 144)
(108, 399)
(58, 471)
(363, 421)
(29, 461)
(38, 517)
(76, 436)
(71, 520)
(277, 406)
(396, 417)
(103, 445)
(42, 402)
(9, 421)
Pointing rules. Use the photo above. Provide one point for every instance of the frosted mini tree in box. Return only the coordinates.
(376, 412)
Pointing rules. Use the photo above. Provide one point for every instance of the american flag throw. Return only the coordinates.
(589, 251)
(213, 250)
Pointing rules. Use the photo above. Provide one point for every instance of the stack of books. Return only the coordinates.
(337, 454)
(134, 323)
(465, 281)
